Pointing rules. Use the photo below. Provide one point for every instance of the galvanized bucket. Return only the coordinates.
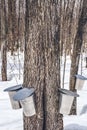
(11, 91)
(26, 98)
(65, 100)
(80, 80)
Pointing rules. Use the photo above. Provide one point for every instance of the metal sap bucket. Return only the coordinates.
(26, 98)
(11, 91)
(66, 100)
(80, 80)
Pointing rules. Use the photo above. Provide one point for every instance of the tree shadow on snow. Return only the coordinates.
(75, 127)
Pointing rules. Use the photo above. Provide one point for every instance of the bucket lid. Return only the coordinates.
(17, 87)
(68, 92)
(23, 93)
(80, 77)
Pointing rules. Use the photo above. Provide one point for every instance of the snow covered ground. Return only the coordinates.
(13, 120)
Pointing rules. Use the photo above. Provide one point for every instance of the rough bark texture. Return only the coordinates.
(12, 25)
(4, 62)
(77, 50)
(42, 63)
(3, 34)
(21, 24)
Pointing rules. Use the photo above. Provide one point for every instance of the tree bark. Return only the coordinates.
(3, 40)
(77, 51)
(42, 63)
(4, 62)
(12, 25)
(21, 24)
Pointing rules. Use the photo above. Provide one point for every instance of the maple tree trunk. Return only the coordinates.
(42, 63)
(3, 42)
(4, 62)
(76, 51)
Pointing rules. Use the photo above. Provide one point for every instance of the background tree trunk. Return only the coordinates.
(21, 24)
(4, 62)
(77, 50)
(3, 40)
(42, 63)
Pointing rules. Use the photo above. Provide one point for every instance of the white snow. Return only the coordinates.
(11, 119)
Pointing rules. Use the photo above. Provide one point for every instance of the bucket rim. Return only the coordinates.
(80, 77)
(13, 88)
(23, 93)
(68, 92)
